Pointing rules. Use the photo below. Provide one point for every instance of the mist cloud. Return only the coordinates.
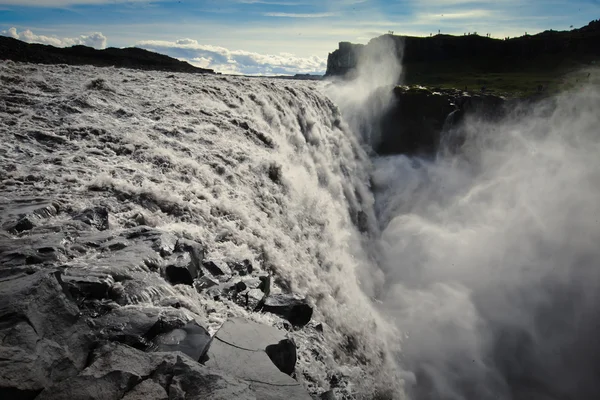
(94, 39)
(492, 259)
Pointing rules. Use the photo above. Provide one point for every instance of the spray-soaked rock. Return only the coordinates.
(191, 339)
(217, 269)
(240, 347)
(23, 214)
(242, 267)
(96, 217)
(290, 307)
(184, 265)
(42, 338)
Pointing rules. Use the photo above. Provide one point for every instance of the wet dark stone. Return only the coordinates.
(294, 309)
(96, 217)
(216, 269)
(238, 340)
(243, 268)
(283, 355)
(191, 339)
(194, 249)
(22, 225)
(88, 285)
(328, 395)
(181, 269)
(205, 282)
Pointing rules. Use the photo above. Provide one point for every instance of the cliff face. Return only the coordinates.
(16, 50)
(483, 53)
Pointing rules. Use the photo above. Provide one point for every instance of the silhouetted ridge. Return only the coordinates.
(546, 51)
(16, 50)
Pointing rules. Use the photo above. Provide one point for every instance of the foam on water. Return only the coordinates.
(256, 169)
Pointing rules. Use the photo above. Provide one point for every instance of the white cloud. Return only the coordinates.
(224, 60)
(295, 15)
(94, 39)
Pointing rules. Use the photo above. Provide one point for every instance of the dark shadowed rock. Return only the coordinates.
(96, 217)
(118, 371)
(216, 269)
(283, 355)
(184, 265)
(328, 395)
(41, 337)
(242, 267)
(191, 339)
(294, 309)
(88, 284)
(239, 349)
(180, 268)
(23, 214)
(147, 390)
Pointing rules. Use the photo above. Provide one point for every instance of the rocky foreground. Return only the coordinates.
(68, 332)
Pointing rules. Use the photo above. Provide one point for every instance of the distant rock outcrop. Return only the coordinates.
(550, 49)
(418, 116)
(135, 58)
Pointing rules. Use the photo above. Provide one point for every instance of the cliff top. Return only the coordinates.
(525, 64)
(135, 58)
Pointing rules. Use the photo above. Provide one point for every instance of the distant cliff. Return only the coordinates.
(472, 52)
(16, 50)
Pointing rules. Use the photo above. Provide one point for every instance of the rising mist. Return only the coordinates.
(490, 251)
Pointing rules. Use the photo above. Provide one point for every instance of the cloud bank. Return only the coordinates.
(94, 39)
(228, 61)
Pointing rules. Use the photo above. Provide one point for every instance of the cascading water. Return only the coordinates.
(254, 169)
(472, 275)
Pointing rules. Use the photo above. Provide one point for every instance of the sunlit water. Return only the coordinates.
(470, 275)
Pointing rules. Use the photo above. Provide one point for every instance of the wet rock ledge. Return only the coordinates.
(73, 323)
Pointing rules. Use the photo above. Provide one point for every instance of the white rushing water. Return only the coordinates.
(475, 275)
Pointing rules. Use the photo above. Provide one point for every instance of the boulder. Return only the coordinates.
(290, 307)
(216, 269)
(118, 371)
(146, 390)
(184, 265)
(23, 214)
(42, 339)
(191, 339)
(239, 348)
(242, 267)
(96, 217)
(180, 268)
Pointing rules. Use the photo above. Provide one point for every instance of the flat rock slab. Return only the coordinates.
(238, 349)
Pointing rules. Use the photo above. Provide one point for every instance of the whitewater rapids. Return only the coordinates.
(472, 274)
(257, 169)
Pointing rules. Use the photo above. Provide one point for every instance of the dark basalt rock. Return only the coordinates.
(118, 370)
(239, 349)
(294, 309)
(283, 355)
(96, 217)
(216, 269)
(418, 118)
(181, 269)
(23, 214)
(191, 339)
(184, 265)
(242, 267)
(41, 337)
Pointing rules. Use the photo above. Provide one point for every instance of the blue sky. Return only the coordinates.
(273, 36)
